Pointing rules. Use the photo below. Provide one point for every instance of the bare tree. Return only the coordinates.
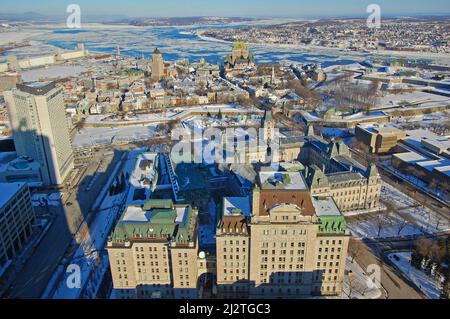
(310, 96)
(354, 249)
(380, 222)
(352, 284)
(403, 222)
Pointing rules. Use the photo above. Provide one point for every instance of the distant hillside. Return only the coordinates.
(23, 17)
(183, 21)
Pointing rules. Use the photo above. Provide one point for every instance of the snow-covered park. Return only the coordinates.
(408, 218)
(92, 136)
(426, 284)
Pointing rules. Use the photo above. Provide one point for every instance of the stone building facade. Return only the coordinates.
(292, 245)
(332, 172)
(153, 252)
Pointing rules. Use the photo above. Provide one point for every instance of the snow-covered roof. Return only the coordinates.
(410, 157)
(325, 207)
(135, 214)
(282, 180)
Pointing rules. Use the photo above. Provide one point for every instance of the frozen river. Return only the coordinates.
(174, 42)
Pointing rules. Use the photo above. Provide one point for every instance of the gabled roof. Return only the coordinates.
(315, 177)
(372, 170)
(268, 117)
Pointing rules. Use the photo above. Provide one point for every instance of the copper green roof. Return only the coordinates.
(332, 225)
(331, 219)
(239, 45)
(156, 219)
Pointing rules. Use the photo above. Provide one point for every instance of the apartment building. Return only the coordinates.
(153, 251)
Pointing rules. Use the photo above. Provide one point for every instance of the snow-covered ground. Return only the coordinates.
(357, 284)
(143, 126)
(54, 199)
(409, 219)
(424, 218)
(384, 225)
(54, 71)
(426, 284)
(208, 231)
(416, 98)
(421, 121)
(137, 119)
(179, 113)
(106, 135)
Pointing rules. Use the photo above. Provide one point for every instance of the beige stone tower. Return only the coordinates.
(157, 65)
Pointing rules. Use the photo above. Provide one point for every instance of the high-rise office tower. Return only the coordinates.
(40, 131)
(157, 65)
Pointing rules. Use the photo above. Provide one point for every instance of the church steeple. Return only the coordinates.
(272, 79)
(268, 125)
(310, 130)
(372, 171)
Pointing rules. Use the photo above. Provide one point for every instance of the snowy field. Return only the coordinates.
(107, 135)
(423, 217)
(417, 98)
(137, 119)
(143, 130)
(382, 226)
(410, 218)
(179, 113)
(54, 71)
(358, 285)
(427, 285)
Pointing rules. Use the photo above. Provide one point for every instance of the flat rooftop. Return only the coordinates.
(36, 88)
(282, 180)
(8, 190)
(144, 178)
(325, 206)
(410, 157)
(379, 128)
